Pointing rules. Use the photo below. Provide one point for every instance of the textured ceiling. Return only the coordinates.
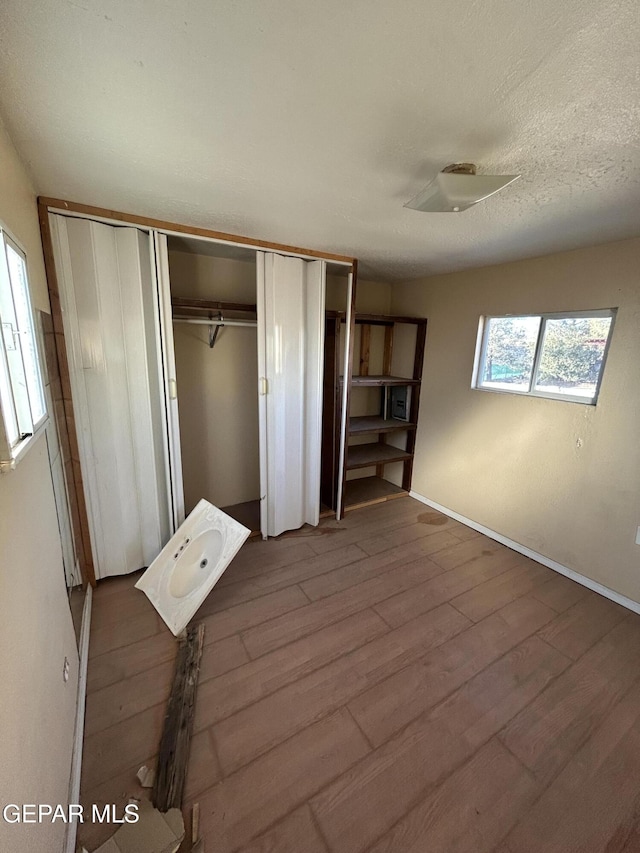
(313, 123)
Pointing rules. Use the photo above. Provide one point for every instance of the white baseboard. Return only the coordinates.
(539, 558)
(76, 760)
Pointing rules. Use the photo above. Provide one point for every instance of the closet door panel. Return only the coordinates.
(173, 456)
(155, 401)
(262, 390)
(291, 324)
(102, 270)
(141, 393)
(108, 388)
(84, 354)
(314, 355)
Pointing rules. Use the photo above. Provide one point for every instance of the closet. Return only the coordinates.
(215, 341)
(244, 354)
(197, 368)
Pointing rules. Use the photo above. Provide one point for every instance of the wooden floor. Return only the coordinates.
(395, 683)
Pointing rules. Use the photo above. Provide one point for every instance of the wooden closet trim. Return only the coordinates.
(59, 204)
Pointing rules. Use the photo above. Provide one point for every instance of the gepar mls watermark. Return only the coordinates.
(68, 813)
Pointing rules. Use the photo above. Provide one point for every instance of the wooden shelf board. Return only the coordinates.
(376, 424)
(388, 319)
(367, 455)
(370, 490)
(378, 319)
(184, 304)
(380, 380)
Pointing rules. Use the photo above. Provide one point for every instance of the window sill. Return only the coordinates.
(22, 448)
(565, 398)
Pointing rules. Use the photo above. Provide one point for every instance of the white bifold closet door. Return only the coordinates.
(108, 297)
(170, 384)
(290, 303)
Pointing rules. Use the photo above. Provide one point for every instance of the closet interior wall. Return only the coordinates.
(217, 387)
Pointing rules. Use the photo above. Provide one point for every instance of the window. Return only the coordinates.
(21, 391)
(549, 355)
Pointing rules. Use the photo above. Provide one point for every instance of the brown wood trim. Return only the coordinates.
(81, 534)
(365, 348)
(378, 379)
(387, 319)
(382, 439)
(160, 224)
(346, 386)
(368, 321)
(330, 414)
(380, 319)
(388, 350)
(210, 305)
(418, 362)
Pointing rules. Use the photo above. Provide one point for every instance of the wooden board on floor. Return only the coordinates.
(171, 771)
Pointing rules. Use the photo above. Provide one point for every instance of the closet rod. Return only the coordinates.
(206, 322)
(214, 324)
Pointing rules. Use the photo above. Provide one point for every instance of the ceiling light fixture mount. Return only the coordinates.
(458, 187)
(460, 169)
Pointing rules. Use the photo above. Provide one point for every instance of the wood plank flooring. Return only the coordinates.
(393, 683)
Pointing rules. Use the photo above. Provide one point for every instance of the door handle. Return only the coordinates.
(173, 389)
(263, 386)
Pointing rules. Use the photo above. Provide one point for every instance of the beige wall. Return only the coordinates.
(37, 709)
(372, 297)
(560, 478)
(217, 389)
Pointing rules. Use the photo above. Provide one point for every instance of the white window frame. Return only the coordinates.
(481, 354)
(12, 452)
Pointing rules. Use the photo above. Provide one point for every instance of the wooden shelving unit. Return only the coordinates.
(381, 427)
(378, 454)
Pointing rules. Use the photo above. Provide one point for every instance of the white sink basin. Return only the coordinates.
(191, 563)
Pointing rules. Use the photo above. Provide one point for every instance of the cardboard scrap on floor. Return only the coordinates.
(154, 832)
(146, 776)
